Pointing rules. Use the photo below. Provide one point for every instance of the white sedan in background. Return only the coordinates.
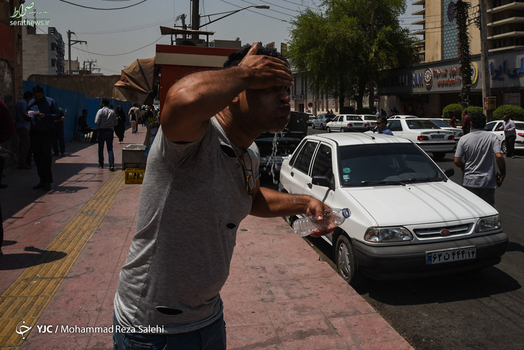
(430, 137)
(497, 127)
(407, 218)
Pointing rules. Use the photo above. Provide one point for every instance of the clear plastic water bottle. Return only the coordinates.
(332, 218)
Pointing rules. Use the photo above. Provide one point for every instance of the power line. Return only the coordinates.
(128, 29)
(121, 54)
(102, 9)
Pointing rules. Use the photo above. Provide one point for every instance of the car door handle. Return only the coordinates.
(292, 174)
(310, 185)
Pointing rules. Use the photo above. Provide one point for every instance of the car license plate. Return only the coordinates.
(437, 136)
(449, 255)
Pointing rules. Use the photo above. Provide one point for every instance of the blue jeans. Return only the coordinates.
(212, 337)
(105, 135)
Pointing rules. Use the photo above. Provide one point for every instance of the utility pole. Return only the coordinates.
(484, 53)
(195, 17)
(71, 43)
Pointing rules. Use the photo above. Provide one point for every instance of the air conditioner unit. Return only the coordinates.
(191, 42)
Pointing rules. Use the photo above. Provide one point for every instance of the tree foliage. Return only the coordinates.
(339, 50)
(514, 112)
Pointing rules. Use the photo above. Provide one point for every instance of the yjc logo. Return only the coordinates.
(22, 329)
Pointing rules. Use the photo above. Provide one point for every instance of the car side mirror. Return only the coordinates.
(323, 181)
(449, 172)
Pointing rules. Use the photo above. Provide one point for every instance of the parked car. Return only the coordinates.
(349, 122)
(371, 119)
(322, 119)
(424, 133)
(311, 116)
(443, 123)
(402, 116)
(407, 218)
(497, 127)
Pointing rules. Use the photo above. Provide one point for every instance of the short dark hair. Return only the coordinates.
(84, 110)
(38, 88)
(28, 94)
(382, 119)
(105, 102)
(478, 120)
(234, 59)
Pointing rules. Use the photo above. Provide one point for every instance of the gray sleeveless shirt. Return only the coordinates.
(193, 198)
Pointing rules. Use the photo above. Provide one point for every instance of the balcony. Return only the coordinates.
(514, 6)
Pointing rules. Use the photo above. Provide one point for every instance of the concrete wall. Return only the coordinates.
(35, 53)
(433, 30)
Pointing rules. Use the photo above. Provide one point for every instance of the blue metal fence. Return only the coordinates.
(73, 103)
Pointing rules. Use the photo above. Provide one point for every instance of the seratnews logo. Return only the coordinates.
(22, 329)
(21, 17)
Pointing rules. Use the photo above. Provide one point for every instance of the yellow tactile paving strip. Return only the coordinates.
(27, 298)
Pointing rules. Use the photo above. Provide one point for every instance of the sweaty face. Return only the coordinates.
(268, 109)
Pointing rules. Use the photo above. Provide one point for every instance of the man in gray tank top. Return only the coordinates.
(201, 181)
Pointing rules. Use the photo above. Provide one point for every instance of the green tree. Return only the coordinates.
(344, 48)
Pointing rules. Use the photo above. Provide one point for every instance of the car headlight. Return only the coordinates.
(387, 234)
(489, 223)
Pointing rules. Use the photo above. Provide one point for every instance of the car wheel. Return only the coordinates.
(346, 261)
(503, 147)
(439, 155)
(328, 129)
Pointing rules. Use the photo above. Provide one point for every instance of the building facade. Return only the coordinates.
(427, 87)
(42, 53)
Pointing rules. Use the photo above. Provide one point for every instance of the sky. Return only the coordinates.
(115, 38)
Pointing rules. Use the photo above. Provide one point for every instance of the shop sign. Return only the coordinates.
(512, 73)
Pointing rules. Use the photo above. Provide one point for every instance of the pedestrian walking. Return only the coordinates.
(134, 113)
(201, 181)
(58, 134)
(43, 112)
(510, 135)
(466, 123)
(474, 155)
(23, 128)
(120, 128)
(106, 120)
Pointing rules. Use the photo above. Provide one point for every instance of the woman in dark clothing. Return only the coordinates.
(121, 127)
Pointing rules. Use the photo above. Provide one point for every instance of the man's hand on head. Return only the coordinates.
(265, 71)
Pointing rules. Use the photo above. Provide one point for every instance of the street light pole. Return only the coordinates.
(484, 57)
(229, 13)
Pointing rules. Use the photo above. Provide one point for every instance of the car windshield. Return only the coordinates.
(421, 124)
(370, 117)
(519, 125)
(386, 164)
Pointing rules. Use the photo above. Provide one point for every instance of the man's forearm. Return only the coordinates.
(271, 203)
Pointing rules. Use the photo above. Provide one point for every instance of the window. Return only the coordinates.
(394, 125)
(304, 157)
(53, 62)
(323, 165)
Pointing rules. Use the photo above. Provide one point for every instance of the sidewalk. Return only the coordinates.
(63, 251)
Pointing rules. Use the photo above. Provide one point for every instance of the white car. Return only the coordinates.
(348, 122)
(407, 218)
(424, 133)
(497, 127)
(443, 124)
(322, 120)
(402, 116)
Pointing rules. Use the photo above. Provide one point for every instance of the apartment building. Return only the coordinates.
(436, 80)
(42, 53)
